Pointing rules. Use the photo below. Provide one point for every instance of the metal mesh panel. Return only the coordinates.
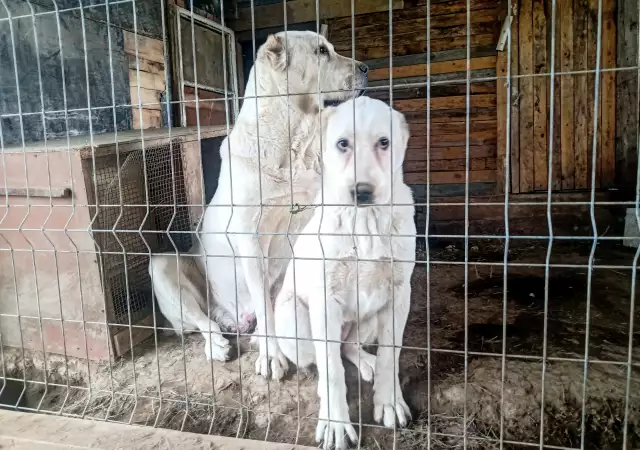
(123, 226)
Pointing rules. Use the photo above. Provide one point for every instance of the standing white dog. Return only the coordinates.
(362, 166)
(271, 161)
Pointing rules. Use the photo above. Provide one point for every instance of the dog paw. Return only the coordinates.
(216, 347)
(387, 408)
(274, 364)
(337, 433)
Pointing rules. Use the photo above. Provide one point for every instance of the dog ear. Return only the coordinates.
(401, 136)
(274, 52)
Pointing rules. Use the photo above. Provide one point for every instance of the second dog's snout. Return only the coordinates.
(363, 68)
(363, 193)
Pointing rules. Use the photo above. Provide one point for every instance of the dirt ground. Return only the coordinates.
(433, 382)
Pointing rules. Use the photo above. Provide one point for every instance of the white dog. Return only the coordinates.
(362, 166)
(186, 309)
(270, 162)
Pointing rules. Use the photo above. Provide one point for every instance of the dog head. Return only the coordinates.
(305, 61)
(361, 156)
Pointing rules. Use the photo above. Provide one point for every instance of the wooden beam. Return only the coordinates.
(36, 192)
(305, 11)
(526, 97)
(540, 97)
(451, 177)
(459, 65)
(565, 13)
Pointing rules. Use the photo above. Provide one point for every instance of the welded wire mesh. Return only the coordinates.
(522, 159)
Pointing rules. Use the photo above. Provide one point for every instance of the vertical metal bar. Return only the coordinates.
(507, 189)
(549, 225)
(427, 224)
(466, 222)
(592, 213)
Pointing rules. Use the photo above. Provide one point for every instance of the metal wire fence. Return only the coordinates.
(515, 338)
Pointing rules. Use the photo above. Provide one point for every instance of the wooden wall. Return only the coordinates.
(146, 71)
(575, 38)
(448, 64)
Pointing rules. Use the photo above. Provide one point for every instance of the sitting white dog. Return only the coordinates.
(363, 167)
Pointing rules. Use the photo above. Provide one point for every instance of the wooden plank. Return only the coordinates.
(420, 129)
(608, 121)
(581, 101)
(592, 48)
(487, 137)
(36, 192)
(433, 57)
(502, 105)
(540, 108)
(486, 62)
(514, 163)
(150, 99)
(151, 118)
(526, 97)
(475, 151)
(451, 177)
(556, 171)
(22, 431)
(411, 37)
(403, 93)
(565, 13)
(304, 11)
(381, 27)
(458, 102)
(418, 45)
(449, 165)
(627, 90)
(451, 115)
(450, 7)
(150, 49)
(145, 65)
(147, 80)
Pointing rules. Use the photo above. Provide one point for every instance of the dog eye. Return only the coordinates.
(323, 50)
(383, 143)
(343, 145)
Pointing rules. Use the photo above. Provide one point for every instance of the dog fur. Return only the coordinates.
(327, 275)
(271, 158)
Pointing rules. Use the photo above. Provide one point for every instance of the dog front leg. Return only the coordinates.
(387, 398)
(270, 359)
(333, 425)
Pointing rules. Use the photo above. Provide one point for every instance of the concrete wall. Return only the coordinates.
(82, 59)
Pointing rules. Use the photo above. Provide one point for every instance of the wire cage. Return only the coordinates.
(522, 160)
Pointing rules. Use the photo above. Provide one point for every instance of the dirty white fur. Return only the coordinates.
(270, 158)
(382, 306)
(180, 290)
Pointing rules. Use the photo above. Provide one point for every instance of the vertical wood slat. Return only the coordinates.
(573, 100)
(501, 150)
(608, 89)
(581, 101)
(592, 48)
(555, 36)
(565, 14)
(515, 94)
(526, 97)
(540, 106)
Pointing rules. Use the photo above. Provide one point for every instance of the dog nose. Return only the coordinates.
(363, 68)
(363, 193)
